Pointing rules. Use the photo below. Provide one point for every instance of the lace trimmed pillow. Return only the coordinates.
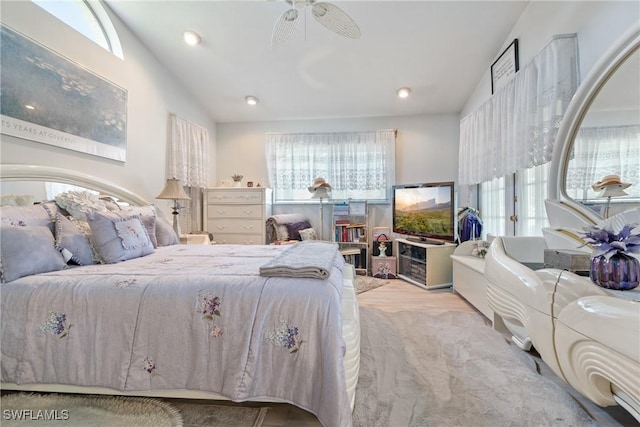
(72, 243)
(119, 238)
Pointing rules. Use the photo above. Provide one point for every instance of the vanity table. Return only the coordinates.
(589, 336)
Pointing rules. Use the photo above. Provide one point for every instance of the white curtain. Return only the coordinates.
(516, 128)
(188, 153)
(601, 151)
(358, 165)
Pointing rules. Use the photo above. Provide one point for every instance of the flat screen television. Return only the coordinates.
(425, 212)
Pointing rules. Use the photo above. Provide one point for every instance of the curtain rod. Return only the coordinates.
(187, 120)
(395, 131)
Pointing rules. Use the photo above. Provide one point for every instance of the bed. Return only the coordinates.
(186, 321)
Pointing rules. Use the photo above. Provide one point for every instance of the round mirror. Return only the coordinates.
(594, 172)
(603, 169)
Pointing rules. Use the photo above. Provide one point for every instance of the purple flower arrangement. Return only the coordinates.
(606, 242)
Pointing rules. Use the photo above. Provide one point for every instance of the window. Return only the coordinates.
(358, 165)
(521, 194)
(89, 18)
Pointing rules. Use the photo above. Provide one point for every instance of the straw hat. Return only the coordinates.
(610, 180)
(319, 183)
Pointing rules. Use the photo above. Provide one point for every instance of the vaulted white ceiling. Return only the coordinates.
(440, 49)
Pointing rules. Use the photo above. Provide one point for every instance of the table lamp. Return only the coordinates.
(611, 186)
(173, 191)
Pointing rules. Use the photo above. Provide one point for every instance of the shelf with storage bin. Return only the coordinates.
(350, 233)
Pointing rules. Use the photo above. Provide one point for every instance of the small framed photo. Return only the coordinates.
(503, 69)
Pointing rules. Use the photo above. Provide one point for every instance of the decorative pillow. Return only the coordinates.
(293, 229)
(80, 203)
(165, 234)
(148, 217)
(27, 250)
(308, 234)
(73, 244)
(26, 215)
(119, 238)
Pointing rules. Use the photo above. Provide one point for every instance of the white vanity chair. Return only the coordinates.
(589, 336)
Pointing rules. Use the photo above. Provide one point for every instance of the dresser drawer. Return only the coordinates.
(235, 211)
(230, 225)
(238, 239)
(230, 195)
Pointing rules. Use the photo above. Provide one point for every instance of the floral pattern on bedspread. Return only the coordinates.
(287, 337)
(56, 324)
(201, 314)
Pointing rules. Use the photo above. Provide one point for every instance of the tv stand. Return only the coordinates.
(425, 265)
(426, 240)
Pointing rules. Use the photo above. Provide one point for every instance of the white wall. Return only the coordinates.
(426, 151)
(597, 23)
(153, 93)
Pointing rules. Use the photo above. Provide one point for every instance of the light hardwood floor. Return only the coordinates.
(399, 295)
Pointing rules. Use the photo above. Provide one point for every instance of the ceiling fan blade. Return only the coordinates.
(284, 28)
(335, 19)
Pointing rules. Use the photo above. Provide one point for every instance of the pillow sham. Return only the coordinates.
(148, 217)
(73, 244)
(165, 234)
(119, 238)
(27, 250)
(27, 215)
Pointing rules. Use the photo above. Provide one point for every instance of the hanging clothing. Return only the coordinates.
(469, 224)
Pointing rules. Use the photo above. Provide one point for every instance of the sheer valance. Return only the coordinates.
(516, 128)
(358, 165)
(188, 153)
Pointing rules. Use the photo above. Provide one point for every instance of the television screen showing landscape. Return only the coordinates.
(424, 211)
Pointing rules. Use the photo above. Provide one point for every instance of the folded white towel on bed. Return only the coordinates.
(308, 258)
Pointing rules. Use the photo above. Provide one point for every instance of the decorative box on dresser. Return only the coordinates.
(237, 215)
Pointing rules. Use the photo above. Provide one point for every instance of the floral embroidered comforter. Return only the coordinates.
(185, 317)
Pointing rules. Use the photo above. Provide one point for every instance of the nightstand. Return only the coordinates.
(194, 239)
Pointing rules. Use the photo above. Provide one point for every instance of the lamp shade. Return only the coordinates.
(173, 190)
(613, 191)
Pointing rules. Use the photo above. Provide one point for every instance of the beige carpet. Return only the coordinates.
(366, 283)
(450, 369)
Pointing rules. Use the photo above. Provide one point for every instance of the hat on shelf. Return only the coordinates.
(610, 180)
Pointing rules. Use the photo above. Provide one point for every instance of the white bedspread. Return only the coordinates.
(186, 317)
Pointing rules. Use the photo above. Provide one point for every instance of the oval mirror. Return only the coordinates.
(595, 172)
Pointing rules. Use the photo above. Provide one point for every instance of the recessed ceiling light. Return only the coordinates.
(191, 38)
(251, 100)
(29, 107)
(404, 92)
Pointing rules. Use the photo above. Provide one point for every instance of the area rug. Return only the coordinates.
(367, 283)
(451, 369)
(44, 410)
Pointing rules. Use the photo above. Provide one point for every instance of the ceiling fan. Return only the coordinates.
(327, 14)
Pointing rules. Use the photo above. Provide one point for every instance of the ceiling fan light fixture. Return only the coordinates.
(251, 100)
(191, 38)
(404, 92)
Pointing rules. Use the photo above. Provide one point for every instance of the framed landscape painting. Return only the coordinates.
(52, 100)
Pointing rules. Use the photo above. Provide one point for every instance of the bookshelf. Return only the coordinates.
(350, 233)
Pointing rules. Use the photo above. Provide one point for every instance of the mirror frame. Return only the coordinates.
(564, 210)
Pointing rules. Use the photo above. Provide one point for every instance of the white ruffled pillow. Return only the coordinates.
(80, 203)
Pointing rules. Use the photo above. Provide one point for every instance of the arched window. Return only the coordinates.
(89, 18)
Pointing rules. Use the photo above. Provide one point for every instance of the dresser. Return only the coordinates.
(237, 215)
